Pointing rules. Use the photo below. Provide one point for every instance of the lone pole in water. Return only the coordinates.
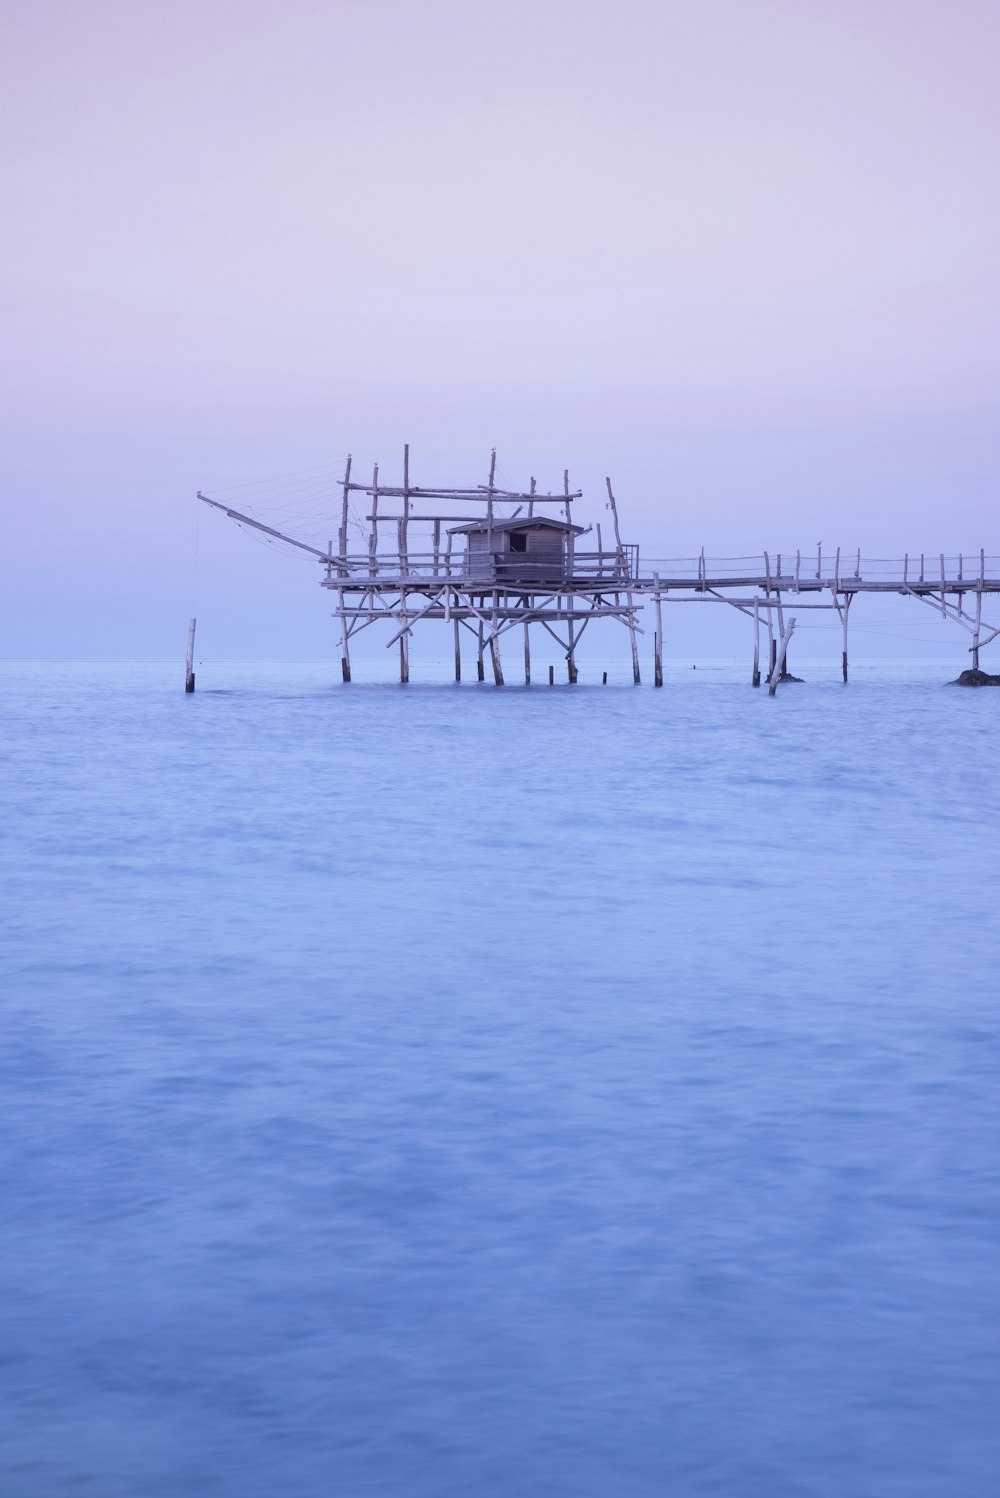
(189, 675)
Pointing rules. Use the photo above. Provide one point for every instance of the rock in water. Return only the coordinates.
(976, 679)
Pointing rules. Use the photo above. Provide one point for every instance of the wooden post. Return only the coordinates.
(976, 631)
(604, 679)
(527, 657)
(373, 537)
(404, 641)
(552, 676)
(189, 671)
(495, 640)
(658, 636)
(458, 652)
(620, 554)
(779, 664)
(771, 641)
(495, 658)
(404, 561)
(342, 533)
(489, 509)
(480, 671)
(571, 652)
(345, 649)
(847, 607)
(756, 644)
(437, 546)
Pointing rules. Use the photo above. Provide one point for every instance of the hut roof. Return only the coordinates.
(516, 523)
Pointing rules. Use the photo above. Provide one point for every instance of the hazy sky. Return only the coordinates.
(742, 256)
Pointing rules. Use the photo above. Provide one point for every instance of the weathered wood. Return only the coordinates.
(258, 525)
(552, 676)
(621, 567)
(527, 656)
(189, 658)
(342, 534)
(589, 585)
(779, 662)
(373, 537)
(975, 637)
(404, 641)
(458, 651)
(404, 565)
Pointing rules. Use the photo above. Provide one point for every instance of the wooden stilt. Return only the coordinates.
(780, 613)
(404, 642)
(779, 664)
(404, 561)
(604, 679)
(345, 650)
(458, 652)
(373, 536)
(494, 636)
(772, 643)
(847, 607)
(342, 533)
(527, 656)
(189, 662)
(658, 636)
(571, 653)
(756, 644)
(623, 570)
(552, 676)
(479, 658)
(976, 632)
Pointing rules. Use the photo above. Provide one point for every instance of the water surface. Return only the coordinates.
(444, 1091)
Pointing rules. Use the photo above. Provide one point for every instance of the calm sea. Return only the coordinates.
(451, 1093)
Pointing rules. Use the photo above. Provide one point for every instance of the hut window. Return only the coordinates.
(518, 541)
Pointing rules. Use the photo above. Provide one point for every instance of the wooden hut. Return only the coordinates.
(531, 549)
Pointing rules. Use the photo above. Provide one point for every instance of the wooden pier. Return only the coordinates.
(490, 561)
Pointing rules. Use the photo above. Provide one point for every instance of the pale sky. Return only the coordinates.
(741, 256)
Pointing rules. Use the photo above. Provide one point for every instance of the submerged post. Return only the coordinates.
(847, 608)
(189, 673)
(527, 656)
(658, 637)
(458, 653)
(755, 679)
